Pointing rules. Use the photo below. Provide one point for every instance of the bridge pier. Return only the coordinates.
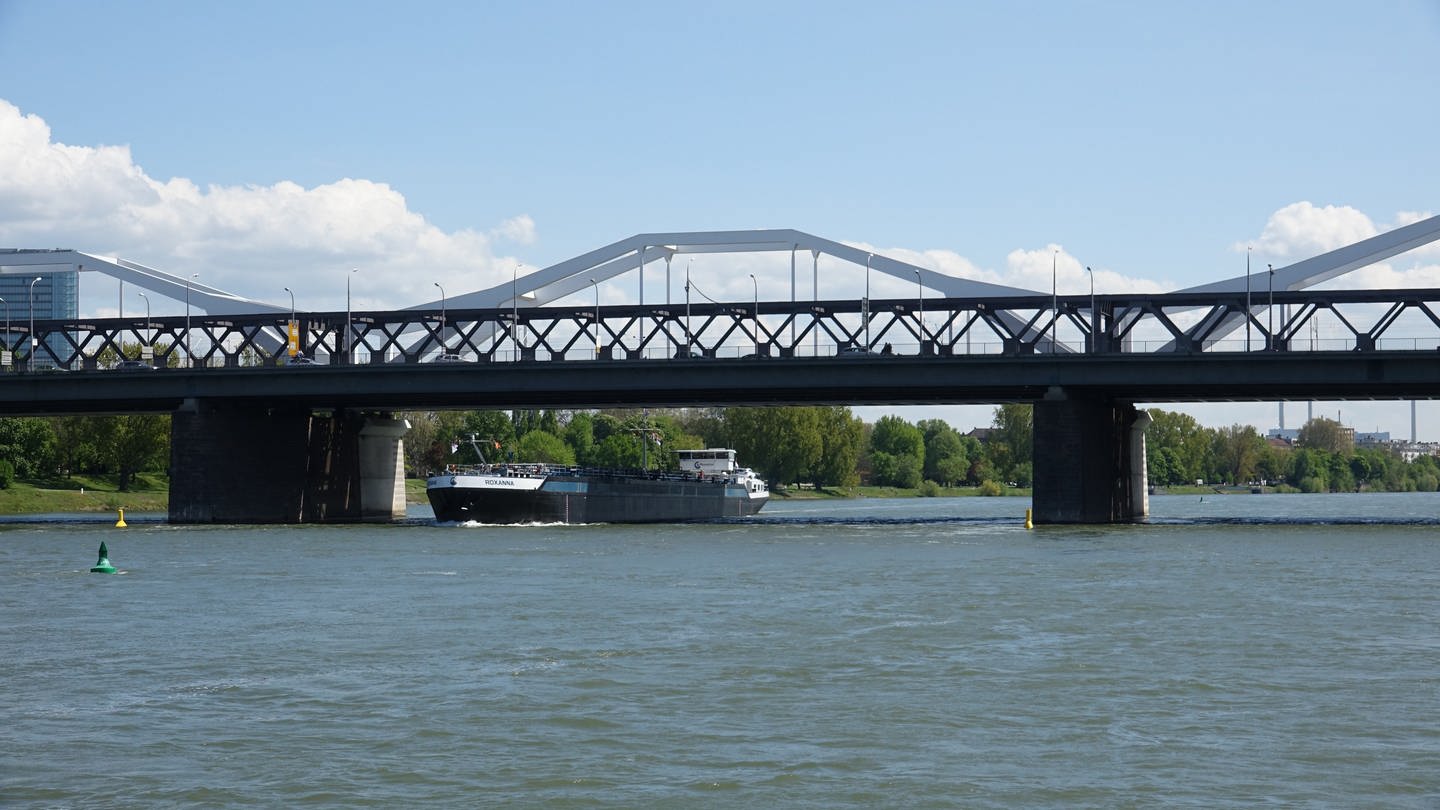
(1089, 461)
(233, 464)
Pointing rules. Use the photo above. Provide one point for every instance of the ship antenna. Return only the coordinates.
(476, 445)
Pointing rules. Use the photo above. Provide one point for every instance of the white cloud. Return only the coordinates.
(253, 240)
(520, 230)
(1301, 230)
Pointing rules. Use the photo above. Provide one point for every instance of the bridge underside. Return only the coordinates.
(237, 464)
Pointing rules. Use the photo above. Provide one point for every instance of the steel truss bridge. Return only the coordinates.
(956, 340)
(1378, 345)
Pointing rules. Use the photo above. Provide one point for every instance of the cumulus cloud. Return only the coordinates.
(1302, 230)
(253, 240)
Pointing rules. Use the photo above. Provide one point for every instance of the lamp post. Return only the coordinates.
(147, 327)
(1270, 310)
(290, 332)
(515, 305)
(1094, 313)
(7, 324)
(349, 322)
(865, 304)
(755, 313)
(30, 360)
(1054, 300)
(920, 319)
(688, 262)
(442, 317)
(192, 277)
(1247, 298)
(596, 288)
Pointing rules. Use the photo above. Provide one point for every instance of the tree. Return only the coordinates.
(842, 437)
(1325, 434)
(1185, 443)
(133, 443)
(28, 444)
(782, 443)
(946, 461)
(1237, 453)
(897, 452)
(580, 435)
(1012, 441)
(544, 446)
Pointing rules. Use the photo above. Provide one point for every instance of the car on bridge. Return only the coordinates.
(133, 365)
(449, 358)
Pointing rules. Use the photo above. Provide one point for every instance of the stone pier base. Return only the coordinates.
(231, 464)
(1089, 462)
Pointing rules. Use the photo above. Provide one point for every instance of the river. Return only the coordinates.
(1237, 651)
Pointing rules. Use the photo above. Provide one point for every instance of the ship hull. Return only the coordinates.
(588, 499)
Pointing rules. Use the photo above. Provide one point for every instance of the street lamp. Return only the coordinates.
(30, 360)
(7, 324)
(688, 262)
(920, 296)
(1270, 309)
(596, 333)
(515, 305)
(1094, 313)
(1247, 298)
(1054, 301)
(755, 313)
(147, 326)
(290, 333)
(349, 322)
(189, 358)
(442, 317)
(865, 304)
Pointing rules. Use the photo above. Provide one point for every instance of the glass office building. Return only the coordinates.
(55, 295)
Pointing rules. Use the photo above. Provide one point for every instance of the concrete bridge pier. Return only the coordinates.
(232, 463)
(1089, 460)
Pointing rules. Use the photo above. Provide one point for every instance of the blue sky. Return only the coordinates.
(273, 144)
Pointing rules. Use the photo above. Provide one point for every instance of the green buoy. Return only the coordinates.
(102, 565)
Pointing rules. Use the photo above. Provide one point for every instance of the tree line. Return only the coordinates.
(817, 446)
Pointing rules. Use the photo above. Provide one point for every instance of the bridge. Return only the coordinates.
(316, 441)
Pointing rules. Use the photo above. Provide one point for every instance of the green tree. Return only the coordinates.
(1185, 443)
(126, 445)
(946, 461)
(842, 437)
(782, 443)
(1012, 439)
(1237, 452)
(544, 446)
(1325, 434)
(897, 452)
(29, 444)
(580, 435)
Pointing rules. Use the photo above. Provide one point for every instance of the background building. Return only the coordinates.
(55, 295)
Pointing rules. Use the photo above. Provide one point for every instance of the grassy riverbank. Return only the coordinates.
(82, 493)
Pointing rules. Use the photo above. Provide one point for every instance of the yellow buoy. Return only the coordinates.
(1029, 524)
(120, 524)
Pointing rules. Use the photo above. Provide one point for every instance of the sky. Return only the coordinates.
(267, 145)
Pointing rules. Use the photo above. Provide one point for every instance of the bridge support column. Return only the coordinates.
(1089, 462)
(231, 464)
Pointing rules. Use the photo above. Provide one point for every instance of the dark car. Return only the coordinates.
(300, 360)
(449, 358)
(133, 365)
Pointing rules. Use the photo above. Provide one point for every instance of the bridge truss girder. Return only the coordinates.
(1015, 326)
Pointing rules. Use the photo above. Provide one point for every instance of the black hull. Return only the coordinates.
(604, 499)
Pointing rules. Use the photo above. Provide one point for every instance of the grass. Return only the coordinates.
(85, 493)
(884, 492)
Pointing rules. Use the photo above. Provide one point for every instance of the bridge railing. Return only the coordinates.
(1042, 326)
